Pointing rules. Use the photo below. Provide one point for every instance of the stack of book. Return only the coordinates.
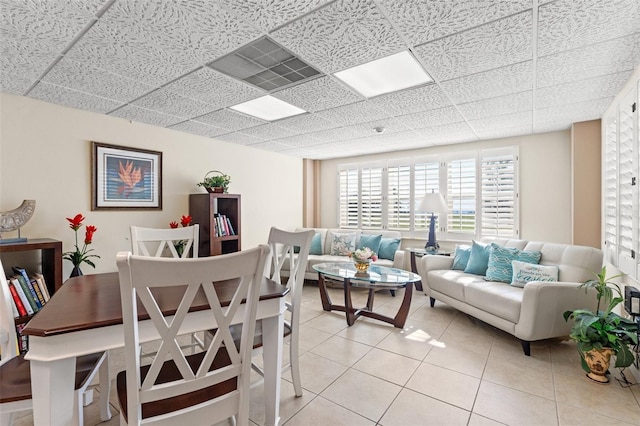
(222, 225)
(29, 293)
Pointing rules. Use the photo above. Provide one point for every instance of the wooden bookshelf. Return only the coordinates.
(51, 257)
(203, 209)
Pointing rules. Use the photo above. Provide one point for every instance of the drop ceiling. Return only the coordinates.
(500, 68)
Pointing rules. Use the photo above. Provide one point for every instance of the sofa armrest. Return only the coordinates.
(398, 259)
(433, 262)
(543, 304)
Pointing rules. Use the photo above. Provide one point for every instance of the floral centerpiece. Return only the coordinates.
(184, 221)
(362, 257)
(79, 256)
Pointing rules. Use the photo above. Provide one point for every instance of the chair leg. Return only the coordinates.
(105, 388)
(294, 362)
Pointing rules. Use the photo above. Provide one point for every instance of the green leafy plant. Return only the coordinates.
(603, 328)
(217, 181)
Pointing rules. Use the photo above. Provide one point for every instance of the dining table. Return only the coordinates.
(85, 316)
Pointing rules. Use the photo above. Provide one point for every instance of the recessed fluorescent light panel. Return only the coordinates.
(268, 108)
(385, 75)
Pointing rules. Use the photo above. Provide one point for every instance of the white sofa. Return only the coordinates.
(326, 256)
(530, 313)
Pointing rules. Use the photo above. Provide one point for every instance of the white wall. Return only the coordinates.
(45, 155)
(545, 182)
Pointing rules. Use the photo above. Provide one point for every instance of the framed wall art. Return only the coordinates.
(125, 178)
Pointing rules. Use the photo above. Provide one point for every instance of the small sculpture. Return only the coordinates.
(16, 219)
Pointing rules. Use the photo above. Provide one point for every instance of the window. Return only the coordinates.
(480, 189)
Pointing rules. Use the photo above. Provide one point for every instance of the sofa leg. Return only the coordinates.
(393, 293)
(432, 301)
(526, 347)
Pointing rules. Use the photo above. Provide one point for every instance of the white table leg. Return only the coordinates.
(52, 388)
(273, 329)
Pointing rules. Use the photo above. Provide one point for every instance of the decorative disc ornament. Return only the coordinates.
(17, 218)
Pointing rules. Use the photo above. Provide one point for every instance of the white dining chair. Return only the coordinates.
(15, 372)
(162, 242)
(202, 388)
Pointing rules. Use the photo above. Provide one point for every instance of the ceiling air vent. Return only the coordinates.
(265, 64)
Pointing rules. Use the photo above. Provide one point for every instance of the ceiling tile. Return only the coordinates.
(503, 42)
(454, 132)
(19, 72)
(503, 132)
(424, 119)
(518, 119)
(89, 79)
(199, 128)
(446, 17)
(341, 35)
(490, 84)
(412, 100)
(269, 14)
(299, 141)
(213, 88)
(567, 24)
(609, 57)
(360, 112)
(229, 120)
(502, 105)
(269, 131)
(142, 115)
(605, 86)
(318, 94)
(239, 138)
(72, 98)
(336, 134)
(305, 123)
(163, 100)
(271, 146)
(580, 111)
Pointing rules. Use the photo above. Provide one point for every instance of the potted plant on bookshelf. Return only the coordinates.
(80, 255)
(600, 334)
(216, 183)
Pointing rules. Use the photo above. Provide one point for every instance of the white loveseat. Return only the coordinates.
(326, 239)
(531, 313)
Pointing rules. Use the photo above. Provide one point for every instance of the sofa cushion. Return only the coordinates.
(500, 258)
(388, 247)
(524, 272)
(478, 258)
(499, 299)
(371, 241)
(575, 263)
(343, 243)
(450, 282)
(461, 257)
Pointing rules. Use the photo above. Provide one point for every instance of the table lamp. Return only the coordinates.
(432, 203)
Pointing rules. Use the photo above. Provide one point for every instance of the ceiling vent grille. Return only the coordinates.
(265, 64)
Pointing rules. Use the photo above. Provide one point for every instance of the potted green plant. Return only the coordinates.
(600, 334)
(216, 183)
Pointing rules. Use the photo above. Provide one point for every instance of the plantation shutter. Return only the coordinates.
(426, 180)
(348, 198)
(626, 175)
(498, 194)
(610, 191)
(371, 197)
(461, 195)
(399, 197)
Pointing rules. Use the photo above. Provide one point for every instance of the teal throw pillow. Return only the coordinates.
(478, 259)
(461, 257)
(388, 247)
(501, 258)
(371, 241)
(524, 273)
(316, 246)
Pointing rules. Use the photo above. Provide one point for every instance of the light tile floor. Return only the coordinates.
(443, 368)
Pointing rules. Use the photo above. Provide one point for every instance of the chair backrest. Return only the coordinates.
(283, 246)
(153, 241)
(139, 275)
(8, 336)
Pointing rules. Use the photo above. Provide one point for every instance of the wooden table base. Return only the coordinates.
(353, 314)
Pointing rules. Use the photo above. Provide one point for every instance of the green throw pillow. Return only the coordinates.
(316, 245)
(371, 241)
(478, 259)
(461, 258)
(388, 247)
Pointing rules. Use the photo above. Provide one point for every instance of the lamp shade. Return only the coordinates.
(433, 203)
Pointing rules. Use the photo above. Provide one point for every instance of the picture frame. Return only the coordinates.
(125, 178)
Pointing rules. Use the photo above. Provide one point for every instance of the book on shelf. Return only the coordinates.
(30, 292)
(23, 297)
(38, 291)
(230, 227)
(43, 285)
(16, 303)
(23, 341)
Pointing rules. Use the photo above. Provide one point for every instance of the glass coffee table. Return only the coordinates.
(377, 278)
